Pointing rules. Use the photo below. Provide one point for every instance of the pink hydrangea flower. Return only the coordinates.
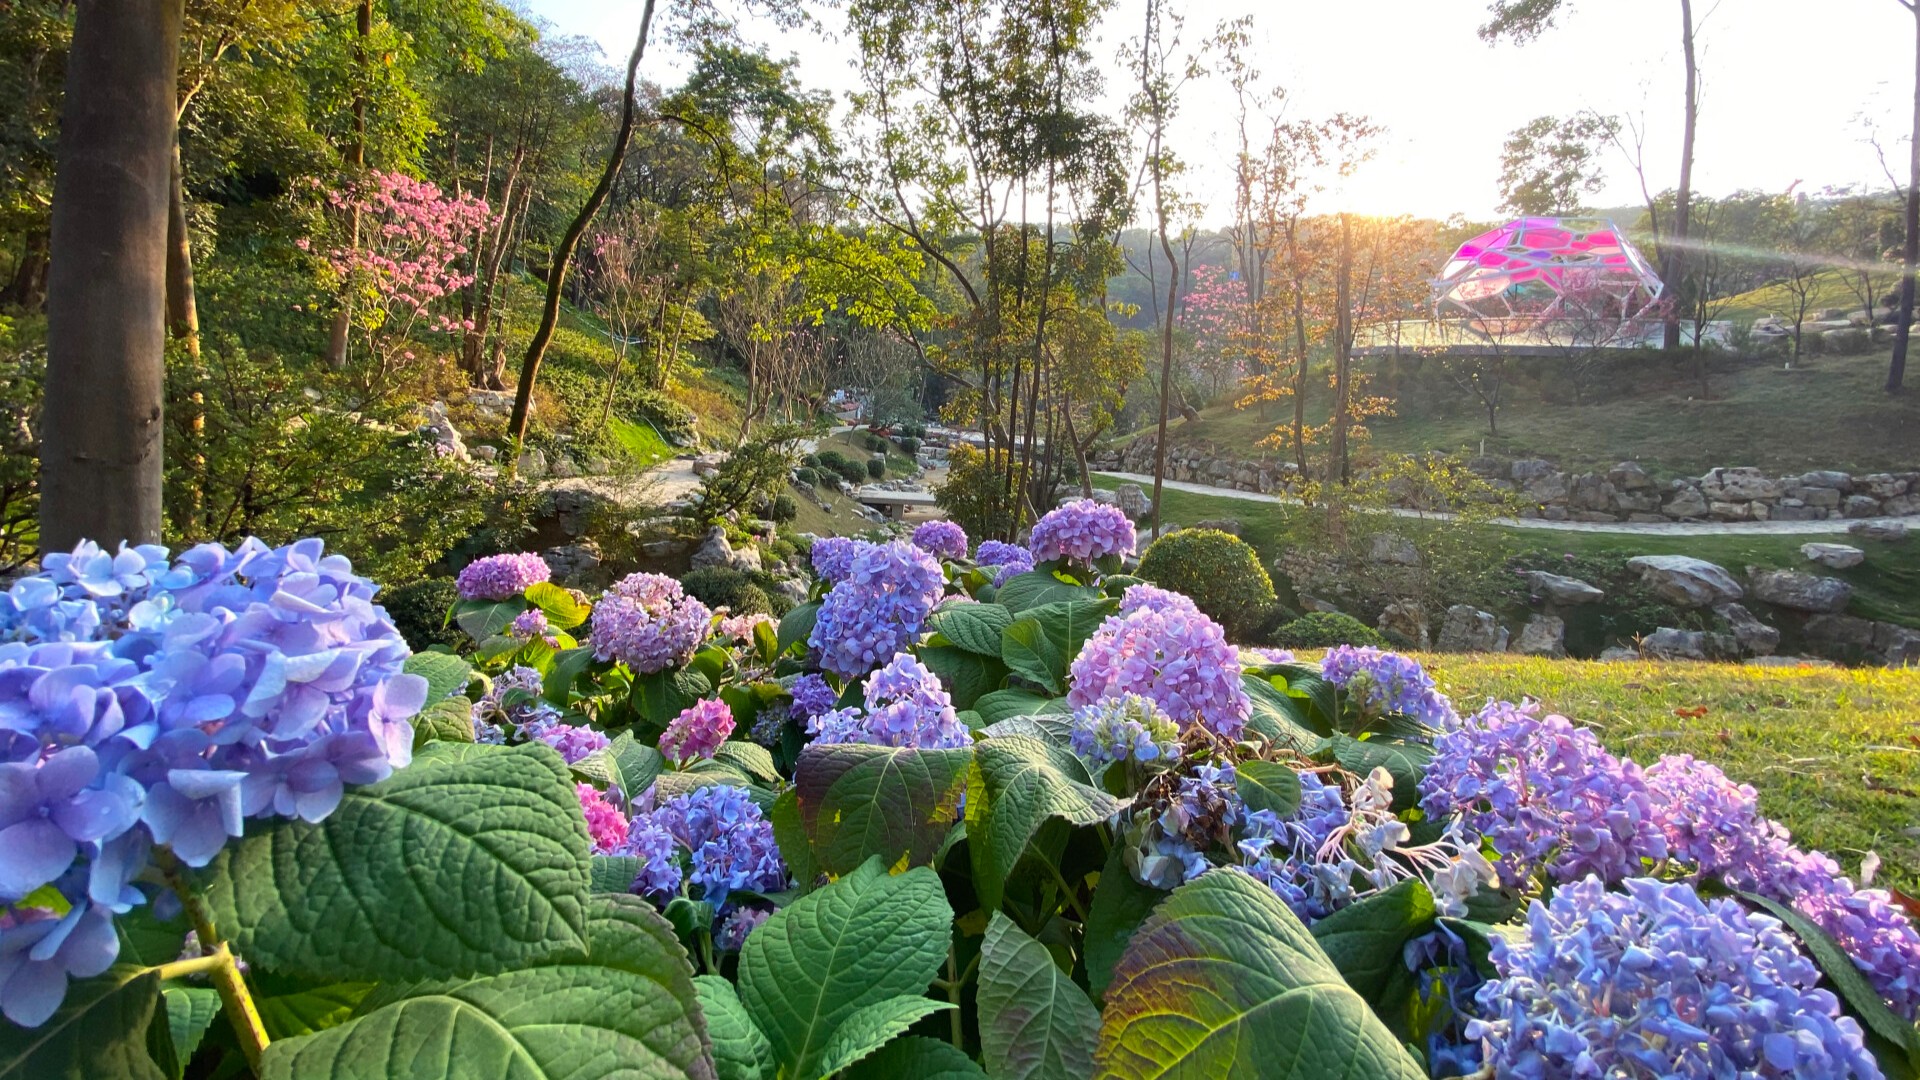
(605, 823)
(697, 732)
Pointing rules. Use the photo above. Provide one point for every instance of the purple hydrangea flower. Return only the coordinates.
(87, 594)
(941, 539)
(1170, 848)
(1273, 656)
(905, 706)
(811, 697)
(1546, 794)
(833, 557)
(605, 823)
(501, 577)
(1385, 682)
(736, 926)
(1082, 530)
(1124, 728)
(1008, 560)
(529, 624)
(1155, 598)
(697, 732)
(729, 843)
(877, 609)
(573, 741)
(660, 873)
(40, 951)
(646, 622)
(1657, 982)
(1177, 657)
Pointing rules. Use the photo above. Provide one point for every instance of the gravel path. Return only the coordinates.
(1829, 527)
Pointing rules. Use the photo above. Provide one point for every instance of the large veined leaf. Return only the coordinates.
(859, 801)
(873, 1027)
(1406, 762)
(1002, 704)
(916, 1057)
(190, 1009)
(797, 625)
(446, 720)
(1283, 719)
(973, 627)
(100, 1030)
(1024, 781)
(1223, 980)
(1037, 587)
(1367, 940)
(865, 938)
(286, 1016)
(968, 676)
(790, 835)
(1043, 641)
(1035, 1022)
(749, 758)
(446, 674)
(614, 873)
(639, 763)
(472, 859)
(665, 694)
(1120, 905)
(1268, 785)
(627, 1007)
(740, 1049)
(482, 619)
(563, 610)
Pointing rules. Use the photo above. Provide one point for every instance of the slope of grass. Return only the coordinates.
(1831, 291)
(1886, 586)
(1828, 412)
(1834, 754)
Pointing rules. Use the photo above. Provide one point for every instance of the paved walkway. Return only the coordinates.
(1830, 527)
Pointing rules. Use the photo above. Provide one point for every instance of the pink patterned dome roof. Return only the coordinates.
(1536, 268)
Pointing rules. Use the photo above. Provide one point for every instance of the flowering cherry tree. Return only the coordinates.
(409, 263)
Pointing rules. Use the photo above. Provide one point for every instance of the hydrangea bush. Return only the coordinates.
(939, 782)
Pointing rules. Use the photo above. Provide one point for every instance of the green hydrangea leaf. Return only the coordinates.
(919, 1058)
(1005, 704)
(482, 619)
(750, 758)
(1037, 587)
(1407, 762)
(472, 859)
(1120, 905)
(797, 625)
(1223, 980)
(740, 1049)
(973, 627)
(564, 612)
(1035, 1022)
(99, 1030)
(614, 873)
(446, 720)
(796, 847)
(968, 676)
(446, 674)
(626, 1006)
(1025, 781)
(865, 938)
(286, 1016)
(858, 801)
(190, 1009)
(1366, 940)
(1268, 785)
(873, 1027)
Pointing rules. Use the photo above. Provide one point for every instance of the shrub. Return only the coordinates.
(853, 472)
(720, 586)
(1324, 630)
(873, 442)
(1221, 572)
(755, 471)
(908, 444)
(783, 508)
(975, 494)
(419, 611)
(811, 461)
(877, 467)
(806, 477)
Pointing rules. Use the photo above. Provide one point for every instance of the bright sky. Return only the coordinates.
(1789, 87)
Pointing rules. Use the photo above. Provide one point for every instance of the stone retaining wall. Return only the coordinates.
(1622, 493)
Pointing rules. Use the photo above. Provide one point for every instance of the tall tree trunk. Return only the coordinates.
(1674, 255)
(28, 286)
(356, 164)
(1343, 352)
(1300, 379)
(563, 254)
(1910, 257)
(476, 338)
(183, 314)
(101, 461)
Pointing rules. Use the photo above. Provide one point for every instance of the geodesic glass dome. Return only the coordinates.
(1536, 273)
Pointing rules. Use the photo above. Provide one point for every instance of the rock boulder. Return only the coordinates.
(1834, 556)
(1468, 629)
(1687, 581)
(1800, 591)
(1563, 591)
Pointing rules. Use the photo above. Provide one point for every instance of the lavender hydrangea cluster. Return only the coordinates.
(833, 557)
(1084, 531)
(1334, 850)
(512, 701)
(941, 539)
(647, 623)
(1164, 649)
(1546, 794)
(696, 734)
(144, 703)
(1716, 824)
(1655, 981)
(531, 624)
(572, 741)
(1387, 683)
(905, 706)
(501, 577)
(719, 844)
(811, 697)
(1007, 560)
(877, 608)
(737, 925)
(1124, 728)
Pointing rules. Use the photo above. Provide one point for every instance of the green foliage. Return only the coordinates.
(23, 372)
(861, 801)
(99, 1030)
(1035, 1022)
(975, 494)
(1221, 573)
(853, 472)
(419, 611)
(723, 586)
(822, 963)
(1024, 781)
(504, 823)
(1223, 979)
(783, 508)
(877, 468)
(1325, 629)
(757, 470)
(908, 445)
(805, 476)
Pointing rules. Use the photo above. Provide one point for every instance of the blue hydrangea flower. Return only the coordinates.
(728, 843)
(877, 609)
(906, 705)
(1165, 650)
(1384, 682)
(1082, 531)
(941, 539)
(1124, 728)
(1007, 560)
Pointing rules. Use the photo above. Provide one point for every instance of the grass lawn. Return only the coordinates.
(1834, 754)
(1828, 412)
(1886, 586)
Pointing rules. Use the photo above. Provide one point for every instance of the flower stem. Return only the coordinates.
(953, 995)
(227, 980)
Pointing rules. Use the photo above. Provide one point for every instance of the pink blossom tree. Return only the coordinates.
(406, 271)
(1215, 315)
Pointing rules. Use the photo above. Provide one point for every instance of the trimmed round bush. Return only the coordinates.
(783, 508)
(853, 472)
(719, 586)
(909, 444)
(811, 461)
(1220, 572)
(419, 611)
(1324, 630)
(877, 467)
(806, 476)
